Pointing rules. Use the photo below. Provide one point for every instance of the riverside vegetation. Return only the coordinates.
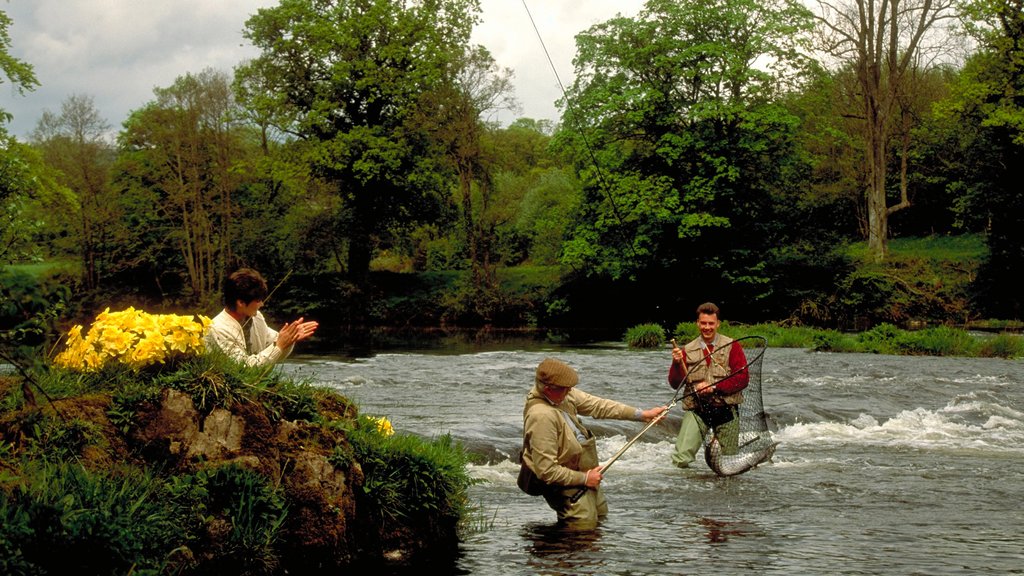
(177, 461)
(195, 463)
(882, 339)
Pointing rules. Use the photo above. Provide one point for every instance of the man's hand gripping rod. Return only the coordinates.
(675, 400)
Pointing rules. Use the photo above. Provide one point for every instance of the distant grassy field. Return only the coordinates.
(968, 249)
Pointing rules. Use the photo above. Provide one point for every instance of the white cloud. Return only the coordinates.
(118, 51)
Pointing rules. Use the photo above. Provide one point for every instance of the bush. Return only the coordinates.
(105, 522)
(645, 336)
(255, 511)
(941, 341)
(834, 341)
(1002, 346)
(396, 466)
(685, 331)
(882, 339)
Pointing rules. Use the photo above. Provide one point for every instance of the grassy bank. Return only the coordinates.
(183, 462)
(882, 339)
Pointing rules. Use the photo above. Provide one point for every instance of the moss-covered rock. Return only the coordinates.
(241, 485)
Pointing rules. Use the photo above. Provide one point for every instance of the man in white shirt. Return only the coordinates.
(241, 332)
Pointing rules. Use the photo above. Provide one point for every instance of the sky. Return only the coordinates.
(118, 51)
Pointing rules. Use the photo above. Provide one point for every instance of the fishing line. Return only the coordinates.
(602, 184)
(249, 319)
(713, 454)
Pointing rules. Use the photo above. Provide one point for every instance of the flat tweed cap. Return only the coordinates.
(553, 372)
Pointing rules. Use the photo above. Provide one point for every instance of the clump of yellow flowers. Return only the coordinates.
(134, 338)
(383, 425)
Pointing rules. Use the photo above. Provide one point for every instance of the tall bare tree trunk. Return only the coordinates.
(881, 40)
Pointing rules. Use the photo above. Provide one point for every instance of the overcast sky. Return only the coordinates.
(117, 51)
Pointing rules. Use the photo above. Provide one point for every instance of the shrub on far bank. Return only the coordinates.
(882, 339)
(645, 336)
(1002, 346)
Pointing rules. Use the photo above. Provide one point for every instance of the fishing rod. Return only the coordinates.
(676, 398)
(289, 273)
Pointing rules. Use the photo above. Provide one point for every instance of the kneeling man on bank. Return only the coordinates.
(241, 332)
(559, 454)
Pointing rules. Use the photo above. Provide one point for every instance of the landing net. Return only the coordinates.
(737, 438)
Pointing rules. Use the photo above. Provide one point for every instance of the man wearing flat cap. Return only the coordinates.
(559, 454)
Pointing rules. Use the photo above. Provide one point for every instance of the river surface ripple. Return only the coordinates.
(885, 464)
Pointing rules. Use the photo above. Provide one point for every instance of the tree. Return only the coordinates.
(685, 141)
(986, 103)
(351, 78)
(75, 143)
(540, 187)
(882, 41)
(480, 87)
(180, 153)
(15, 179)
(20, 74)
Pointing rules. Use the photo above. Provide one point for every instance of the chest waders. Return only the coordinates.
(574, 510)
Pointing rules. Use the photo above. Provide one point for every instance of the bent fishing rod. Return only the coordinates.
(676, 398)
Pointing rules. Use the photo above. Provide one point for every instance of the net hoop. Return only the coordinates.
(741, 443)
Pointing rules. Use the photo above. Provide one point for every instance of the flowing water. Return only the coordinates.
(885, 464)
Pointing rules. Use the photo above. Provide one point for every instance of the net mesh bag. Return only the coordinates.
(736, 436)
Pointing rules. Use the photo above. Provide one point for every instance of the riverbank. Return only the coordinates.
(882, 339)
(194, 464)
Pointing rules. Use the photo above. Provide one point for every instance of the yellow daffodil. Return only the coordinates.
(132, 337)
(383, 425)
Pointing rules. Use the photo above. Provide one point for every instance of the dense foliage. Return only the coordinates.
(707, 152)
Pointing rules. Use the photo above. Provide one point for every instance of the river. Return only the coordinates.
(885, 464)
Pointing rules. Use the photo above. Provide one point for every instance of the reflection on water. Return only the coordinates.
(719, 531)
(554, 549)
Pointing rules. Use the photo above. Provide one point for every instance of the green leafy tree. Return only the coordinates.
(352, 78)
(75, 143)
(987, 103)
(539, 186)
(680, 110)
(883, 43)
(178, 165)
(34, 206)
(15, 177)
(454, 116)
(19, 73)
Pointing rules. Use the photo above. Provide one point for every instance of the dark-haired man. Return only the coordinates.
(240, 330)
